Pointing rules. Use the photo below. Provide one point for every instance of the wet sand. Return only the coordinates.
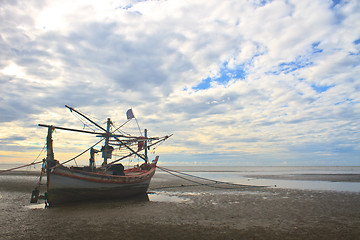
(180, 210)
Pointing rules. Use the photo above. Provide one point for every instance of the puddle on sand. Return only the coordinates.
(36, 206)
(166, 197)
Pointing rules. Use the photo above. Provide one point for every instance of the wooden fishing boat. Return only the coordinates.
(110, 180)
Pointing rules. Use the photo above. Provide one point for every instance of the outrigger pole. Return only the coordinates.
(83, 115)
(70, 129)
(106, 135)
(84, 131)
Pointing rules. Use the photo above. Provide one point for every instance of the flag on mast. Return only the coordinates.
(130, 114)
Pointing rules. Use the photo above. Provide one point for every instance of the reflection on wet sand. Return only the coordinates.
(175, 197)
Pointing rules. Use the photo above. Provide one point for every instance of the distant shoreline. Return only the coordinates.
(312, 177)
(21, 172)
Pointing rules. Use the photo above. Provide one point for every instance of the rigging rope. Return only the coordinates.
(40, 153)
(83, 152)
(154, 148)
(83, 122)
(138, 126)
(118, 129)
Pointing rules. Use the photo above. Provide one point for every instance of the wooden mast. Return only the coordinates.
(50, 162)
(145, 145)
(107, 151)
(49, 144)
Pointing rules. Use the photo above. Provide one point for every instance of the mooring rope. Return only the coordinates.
(170, 172)
(27, 165)
(214, 182)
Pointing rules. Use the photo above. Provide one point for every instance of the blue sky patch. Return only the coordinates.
(357, 41)
(262, 3)
(315, 48)
(299, 62)
(223, 77)
(354, 53)
(126, 7)
(288, 67)
(346, 100)
(334, 3)
(321, 89)
(205, 84)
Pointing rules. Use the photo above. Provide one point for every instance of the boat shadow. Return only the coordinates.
(103, 202)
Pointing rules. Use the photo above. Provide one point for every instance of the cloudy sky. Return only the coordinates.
(237, 82)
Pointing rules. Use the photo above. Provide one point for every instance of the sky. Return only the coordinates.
(249, 83)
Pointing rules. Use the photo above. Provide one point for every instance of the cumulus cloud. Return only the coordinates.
(259, 80)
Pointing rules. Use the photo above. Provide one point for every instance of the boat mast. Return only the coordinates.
(107, 151)
(145, 145)
(48, 162)
(49, 144)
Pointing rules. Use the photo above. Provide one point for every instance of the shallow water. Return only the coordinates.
(175, 197)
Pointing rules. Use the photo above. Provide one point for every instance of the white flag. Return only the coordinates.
(129, 114)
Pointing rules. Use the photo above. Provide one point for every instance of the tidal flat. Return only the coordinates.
(178, 209)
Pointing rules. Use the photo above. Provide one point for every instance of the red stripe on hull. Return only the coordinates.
(118, 179)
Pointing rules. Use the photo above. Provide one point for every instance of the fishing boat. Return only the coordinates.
(110, 180)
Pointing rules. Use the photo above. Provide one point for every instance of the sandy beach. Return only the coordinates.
(177, 209)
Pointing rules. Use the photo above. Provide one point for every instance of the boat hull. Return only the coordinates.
(66, 185)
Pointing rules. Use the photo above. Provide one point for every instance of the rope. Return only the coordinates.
(138, 126)
(27, 165)
(154, 148)
(118, 129)
(83, 122)
(82, 152)
(214, 182)
(165, 170)
(11, 169)
(40, 153)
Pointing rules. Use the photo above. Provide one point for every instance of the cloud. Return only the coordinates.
(262, 80)
(12, 139)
